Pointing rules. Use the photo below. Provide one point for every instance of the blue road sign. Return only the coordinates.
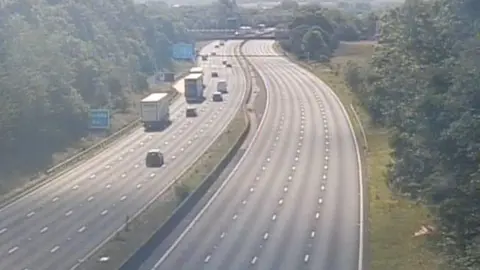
(99, 119)
(183, 51)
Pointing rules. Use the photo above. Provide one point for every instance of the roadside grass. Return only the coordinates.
(140, 229)
(392, 220)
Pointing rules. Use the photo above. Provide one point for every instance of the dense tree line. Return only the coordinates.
(424, 83)
(211, 16)
(60, 58)
(315, 32)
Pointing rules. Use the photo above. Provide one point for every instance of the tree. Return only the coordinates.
(60, 58)
(424, 84)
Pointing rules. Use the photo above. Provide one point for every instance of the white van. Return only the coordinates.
(222, 86)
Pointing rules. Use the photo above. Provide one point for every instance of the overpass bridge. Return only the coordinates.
(216, 34)
(248, 55)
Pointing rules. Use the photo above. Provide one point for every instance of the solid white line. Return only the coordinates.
(215, 195)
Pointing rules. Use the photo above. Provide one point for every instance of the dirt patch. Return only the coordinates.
(392, 220)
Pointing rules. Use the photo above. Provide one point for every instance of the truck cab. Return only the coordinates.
(217, 96)
(154, 158)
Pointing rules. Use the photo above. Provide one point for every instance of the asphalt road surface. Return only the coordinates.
(63, 221)
(293, 202)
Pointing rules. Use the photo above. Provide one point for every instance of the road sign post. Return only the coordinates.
(99, 119)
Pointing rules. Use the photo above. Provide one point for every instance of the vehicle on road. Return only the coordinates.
(224, 62)
(154, 158)
(194, 88)
(214, 74)
(216, 46)
(261, 27)
(222, 86)
(154, 111)
(191, 112)
(213, 53)
(229, 65)
(196, 70)
(204, 57)
(217, 96)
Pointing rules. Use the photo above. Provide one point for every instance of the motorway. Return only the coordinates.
(293, 201)
(61, 222)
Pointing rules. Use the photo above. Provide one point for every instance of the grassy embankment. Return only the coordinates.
(140, 229)
(392, 220)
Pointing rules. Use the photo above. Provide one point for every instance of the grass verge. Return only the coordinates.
(392, 220)
(125, 243)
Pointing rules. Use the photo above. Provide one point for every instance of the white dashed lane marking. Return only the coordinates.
(12, 250)
(54, 249)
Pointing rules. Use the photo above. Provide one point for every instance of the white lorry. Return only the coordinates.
(196, 70)
(222, 86)
(154, 111)
(194, 88)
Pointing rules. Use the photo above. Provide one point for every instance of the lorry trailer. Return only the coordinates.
(196, 70)
(194, 88)
(154, 111)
